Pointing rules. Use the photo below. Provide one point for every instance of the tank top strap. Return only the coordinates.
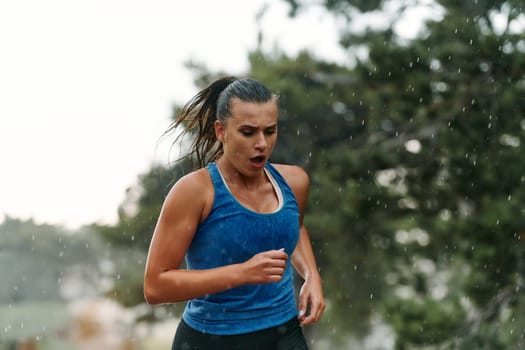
(216, 178)
(289, 196)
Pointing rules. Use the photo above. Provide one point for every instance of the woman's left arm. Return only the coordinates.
(311, 300)
(311, 294)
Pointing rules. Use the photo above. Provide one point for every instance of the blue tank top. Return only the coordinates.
(233, 234)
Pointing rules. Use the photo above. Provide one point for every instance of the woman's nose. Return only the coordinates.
(261, 142)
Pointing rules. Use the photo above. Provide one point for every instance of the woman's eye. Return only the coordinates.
(247, 133)
(270, 132)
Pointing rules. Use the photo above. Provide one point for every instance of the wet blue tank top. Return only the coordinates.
(233, 234)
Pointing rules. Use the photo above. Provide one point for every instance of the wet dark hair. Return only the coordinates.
(214, 103)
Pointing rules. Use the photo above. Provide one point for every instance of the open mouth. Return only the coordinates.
(257, 160)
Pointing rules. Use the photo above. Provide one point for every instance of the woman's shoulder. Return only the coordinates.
(296, 177)
(288, 170)
(194, 180)
(194, 187)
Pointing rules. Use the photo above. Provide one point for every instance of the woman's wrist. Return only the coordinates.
(312, 275)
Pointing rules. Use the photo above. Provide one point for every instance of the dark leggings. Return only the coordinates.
(288, 336)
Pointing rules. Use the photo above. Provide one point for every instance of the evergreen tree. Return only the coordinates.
(414, 155)
(431, 183)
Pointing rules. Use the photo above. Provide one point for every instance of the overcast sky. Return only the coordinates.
(86, 90)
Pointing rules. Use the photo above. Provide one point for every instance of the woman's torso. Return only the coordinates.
(232, 233)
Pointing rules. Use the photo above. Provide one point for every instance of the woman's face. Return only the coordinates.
(248, 136)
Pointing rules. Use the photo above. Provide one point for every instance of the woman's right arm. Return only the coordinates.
(165, 282)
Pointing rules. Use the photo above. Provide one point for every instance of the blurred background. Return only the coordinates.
(409, 116)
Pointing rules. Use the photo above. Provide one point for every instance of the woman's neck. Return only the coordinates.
(235, 178)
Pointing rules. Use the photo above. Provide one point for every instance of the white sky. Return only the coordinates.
(86, 89)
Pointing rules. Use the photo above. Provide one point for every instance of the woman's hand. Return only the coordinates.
(311, 300)
(265, 267)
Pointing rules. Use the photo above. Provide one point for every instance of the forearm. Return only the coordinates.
(311, 301)
(303, 258)
(178, 285)
(162, 285)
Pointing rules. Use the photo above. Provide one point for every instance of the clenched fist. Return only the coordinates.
(265, 267)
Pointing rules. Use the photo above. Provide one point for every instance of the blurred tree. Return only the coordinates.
(129, 239)
(432, 183)
(414, 154)
(42, 267)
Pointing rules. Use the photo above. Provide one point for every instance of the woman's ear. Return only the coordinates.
(219, 130)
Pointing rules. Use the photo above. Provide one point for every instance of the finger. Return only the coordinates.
(308, 320)
(278, 254)
(301, 315)
(270, 263)
(278, 263)
(275, 271)
(273, 278)
(316, 311)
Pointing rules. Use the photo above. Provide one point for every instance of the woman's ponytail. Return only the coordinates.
(197, 118)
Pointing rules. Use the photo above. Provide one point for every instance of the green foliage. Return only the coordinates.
(434, 171)
(426, 321)
(139, 212)
(339, 5)
(129, 239)
(39, 263)
(416, 167)
(41, 258)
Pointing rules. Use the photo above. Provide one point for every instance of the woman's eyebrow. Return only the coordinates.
(257, 127)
